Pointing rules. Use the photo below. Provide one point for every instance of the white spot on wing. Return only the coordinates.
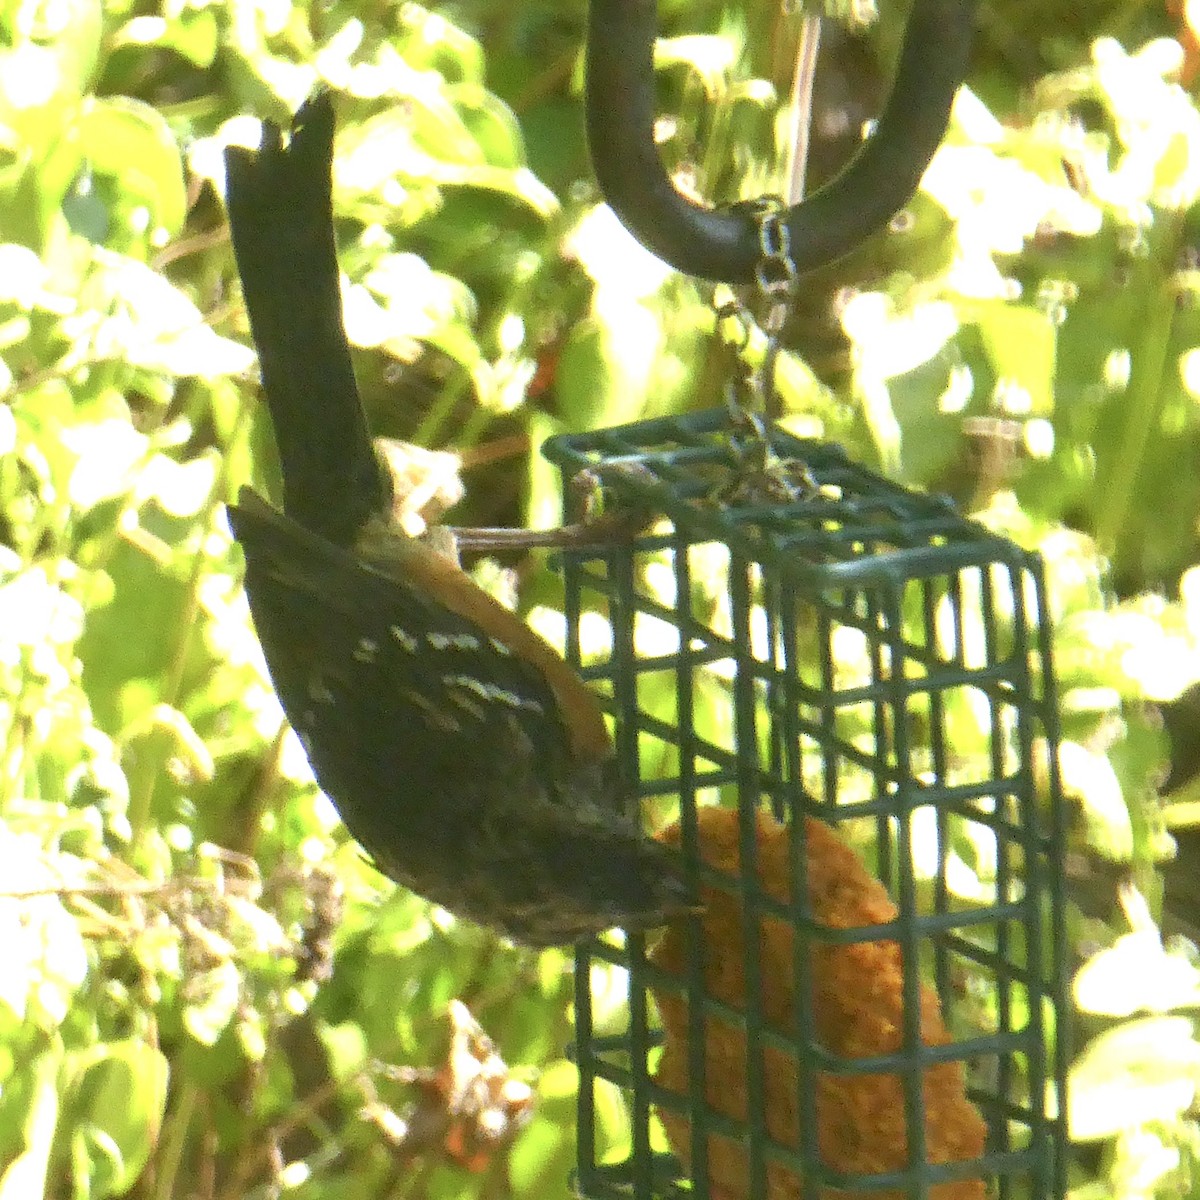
(467, 681)
(452, 641)
(493, 692)
(406, 639)
(435, 717)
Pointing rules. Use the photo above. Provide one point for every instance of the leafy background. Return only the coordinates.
(201, 976)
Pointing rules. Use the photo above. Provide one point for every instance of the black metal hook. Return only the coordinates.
(724, 244)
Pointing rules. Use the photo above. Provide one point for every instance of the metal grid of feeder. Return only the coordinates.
(838, 649)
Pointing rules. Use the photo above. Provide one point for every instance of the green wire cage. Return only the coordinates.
(840, 693)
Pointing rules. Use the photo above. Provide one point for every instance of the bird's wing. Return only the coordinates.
(337, 631)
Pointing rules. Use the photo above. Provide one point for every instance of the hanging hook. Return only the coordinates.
(724, 244)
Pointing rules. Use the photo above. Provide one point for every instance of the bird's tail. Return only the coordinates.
(281, 220)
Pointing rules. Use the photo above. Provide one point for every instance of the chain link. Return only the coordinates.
(750, 394)
(776, 278)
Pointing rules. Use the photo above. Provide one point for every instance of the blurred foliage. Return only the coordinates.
(206, 990)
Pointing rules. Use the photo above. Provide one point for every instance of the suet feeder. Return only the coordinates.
(844, 696)
(835, 697)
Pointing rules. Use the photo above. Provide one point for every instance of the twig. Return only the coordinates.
(800, 109)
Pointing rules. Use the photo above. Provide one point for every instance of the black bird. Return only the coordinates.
(462, 752)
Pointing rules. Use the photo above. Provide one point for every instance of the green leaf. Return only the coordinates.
(216, 994)
(118, 1096)
(25, 1177)
(711, 56)
(1136, 974)
(46, 960)
(193, 34)
(107, 454)
(605, 370)
(132, 314)
(132, 143)
(430, 42)
(1089, 778)
(491, 124)
(1138, 1073)
(1020, 344)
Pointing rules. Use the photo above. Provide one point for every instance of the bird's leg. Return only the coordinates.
(425, 483)
(596, 531)
(590, 526)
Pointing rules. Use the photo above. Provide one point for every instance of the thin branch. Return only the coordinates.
(800, 109)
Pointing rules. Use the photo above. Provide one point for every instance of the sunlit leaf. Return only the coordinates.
(1090, 779)
(136, 316)
(25, 1177)
(213, 1002)
(1136, 974)
(107, 453)
(1020, 343)
(45, 957)
(132, 142)
(1135, 1074)
(118, 1097)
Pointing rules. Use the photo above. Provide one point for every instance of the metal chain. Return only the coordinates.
(776, 277)
(751, 395)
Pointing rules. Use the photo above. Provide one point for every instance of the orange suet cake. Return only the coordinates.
(857, 1001)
